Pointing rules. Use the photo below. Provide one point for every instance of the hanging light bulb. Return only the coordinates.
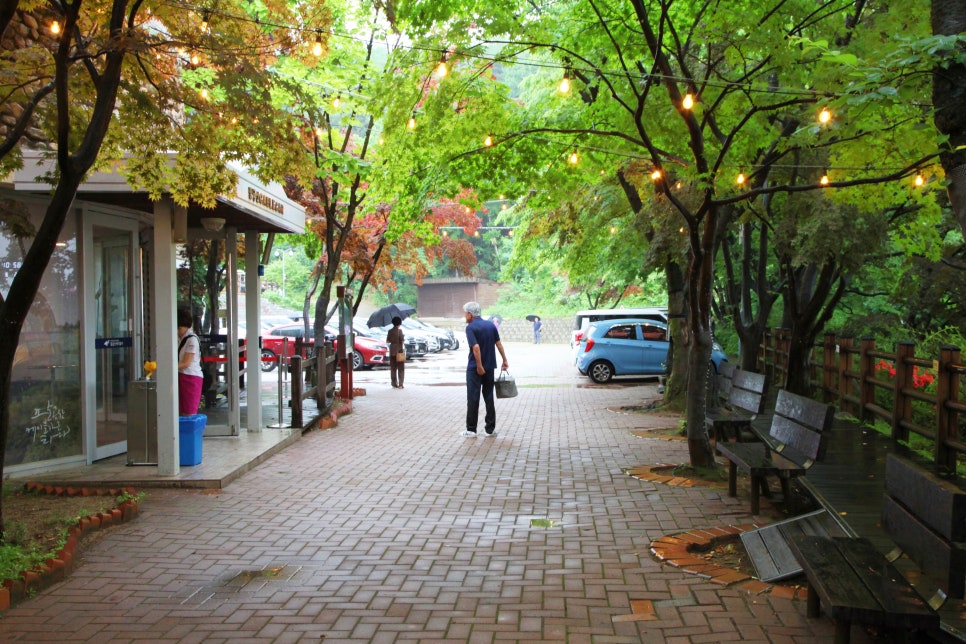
(205, 26)
(488, 141)
(919, 180)
(55, 27)
(824, 180)
(204, 93)
(412, 122)
(656, 175)
(564, 86)
(317, 47)
(445, 233)
(574, 158)
(381, 140)
(688, 101)
(441, 70)
(337, 101)
(613, 229)
(741, 179)
(824, 116)
(194, 58)
(318, 132)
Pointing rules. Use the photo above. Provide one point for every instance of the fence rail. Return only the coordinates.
(915, 396)
(303, 370)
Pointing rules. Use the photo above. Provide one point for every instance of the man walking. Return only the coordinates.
(483, 339)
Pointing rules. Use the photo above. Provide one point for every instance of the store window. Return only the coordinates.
(45, 394)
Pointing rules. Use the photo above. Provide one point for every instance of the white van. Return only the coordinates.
(583, 318)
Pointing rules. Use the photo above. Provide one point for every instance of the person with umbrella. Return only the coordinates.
(397, 349)
(483, 339)
(537, 325)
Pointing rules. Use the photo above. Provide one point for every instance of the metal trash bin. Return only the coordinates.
(142, 423)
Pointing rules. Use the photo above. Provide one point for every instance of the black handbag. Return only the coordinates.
(506, 386)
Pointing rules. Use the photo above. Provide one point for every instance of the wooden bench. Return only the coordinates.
(746, 399)
(795, 440)
(854, 582)
(722, 386)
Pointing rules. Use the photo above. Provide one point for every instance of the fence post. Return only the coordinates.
(947, 391)
(297, 379)
(763, 352)
(845, 365)
(828, 368)
(866, 370)
(901, 403)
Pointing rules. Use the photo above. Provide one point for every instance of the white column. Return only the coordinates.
(165, 337)
(231, 302)
(253, 308)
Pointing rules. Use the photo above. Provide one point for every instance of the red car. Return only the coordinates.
(368, 353)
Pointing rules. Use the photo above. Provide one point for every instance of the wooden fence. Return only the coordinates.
(303, 371)
(913, 395)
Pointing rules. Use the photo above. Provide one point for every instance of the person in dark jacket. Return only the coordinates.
(396, 340)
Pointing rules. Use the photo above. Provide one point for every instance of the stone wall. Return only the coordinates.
(555, 330)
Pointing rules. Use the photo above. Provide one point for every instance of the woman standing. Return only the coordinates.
(189, 366)
(396, 340)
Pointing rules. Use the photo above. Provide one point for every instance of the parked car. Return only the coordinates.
(414, 348)
(443, 339)
(367, 352)
(582, 319)
(627, 347)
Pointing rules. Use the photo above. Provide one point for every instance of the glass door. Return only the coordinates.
(114, 348)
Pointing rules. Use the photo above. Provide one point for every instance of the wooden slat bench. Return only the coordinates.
(795, 440)
(854, 582)
(768, 548)
(745, 401)
(722, 386)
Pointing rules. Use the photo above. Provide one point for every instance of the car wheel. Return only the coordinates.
(600, 371)
(356, 360)
(456, 345)
(269, 360)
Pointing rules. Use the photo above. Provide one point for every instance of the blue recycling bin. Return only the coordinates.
(191, 430)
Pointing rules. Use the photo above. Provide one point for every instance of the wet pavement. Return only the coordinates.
(392, 527)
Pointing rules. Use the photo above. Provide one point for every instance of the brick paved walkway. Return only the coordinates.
(393, 527)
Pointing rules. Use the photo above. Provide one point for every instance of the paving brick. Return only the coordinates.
(392, 527)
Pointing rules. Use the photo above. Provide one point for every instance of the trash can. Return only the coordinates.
(142, 423)
(191, 429)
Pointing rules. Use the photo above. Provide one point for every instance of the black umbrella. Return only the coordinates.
(384, 316)
(532, 317)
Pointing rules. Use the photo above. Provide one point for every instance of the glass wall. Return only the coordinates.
(45, 394)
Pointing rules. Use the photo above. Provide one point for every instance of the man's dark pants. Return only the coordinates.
(475, 385)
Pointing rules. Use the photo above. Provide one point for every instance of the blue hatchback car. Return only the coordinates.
(627, 347)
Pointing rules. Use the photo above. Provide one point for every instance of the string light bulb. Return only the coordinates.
(194, 58)
(412, 122)
(574, 158)
(564, 86)
(688, 101)
(317, 47)
(205, 24)
(488, 141)
(741, 179)
(381, 140)
(824, 116)
(318, 132)
(824, 180)
(919, 181)
(656, 175)
(441, 70)
(204, 93)
(55, 27)
(337, 101)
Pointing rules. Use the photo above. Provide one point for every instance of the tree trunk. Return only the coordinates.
(949, 103)
(676, 385)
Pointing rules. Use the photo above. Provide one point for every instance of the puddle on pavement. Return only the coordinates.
(265, 574)
(544, 523)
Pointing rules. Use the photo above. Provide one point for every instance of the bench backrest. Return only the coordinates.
(926, 516)
(800, 424)
(726, 372)
(747, 391)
